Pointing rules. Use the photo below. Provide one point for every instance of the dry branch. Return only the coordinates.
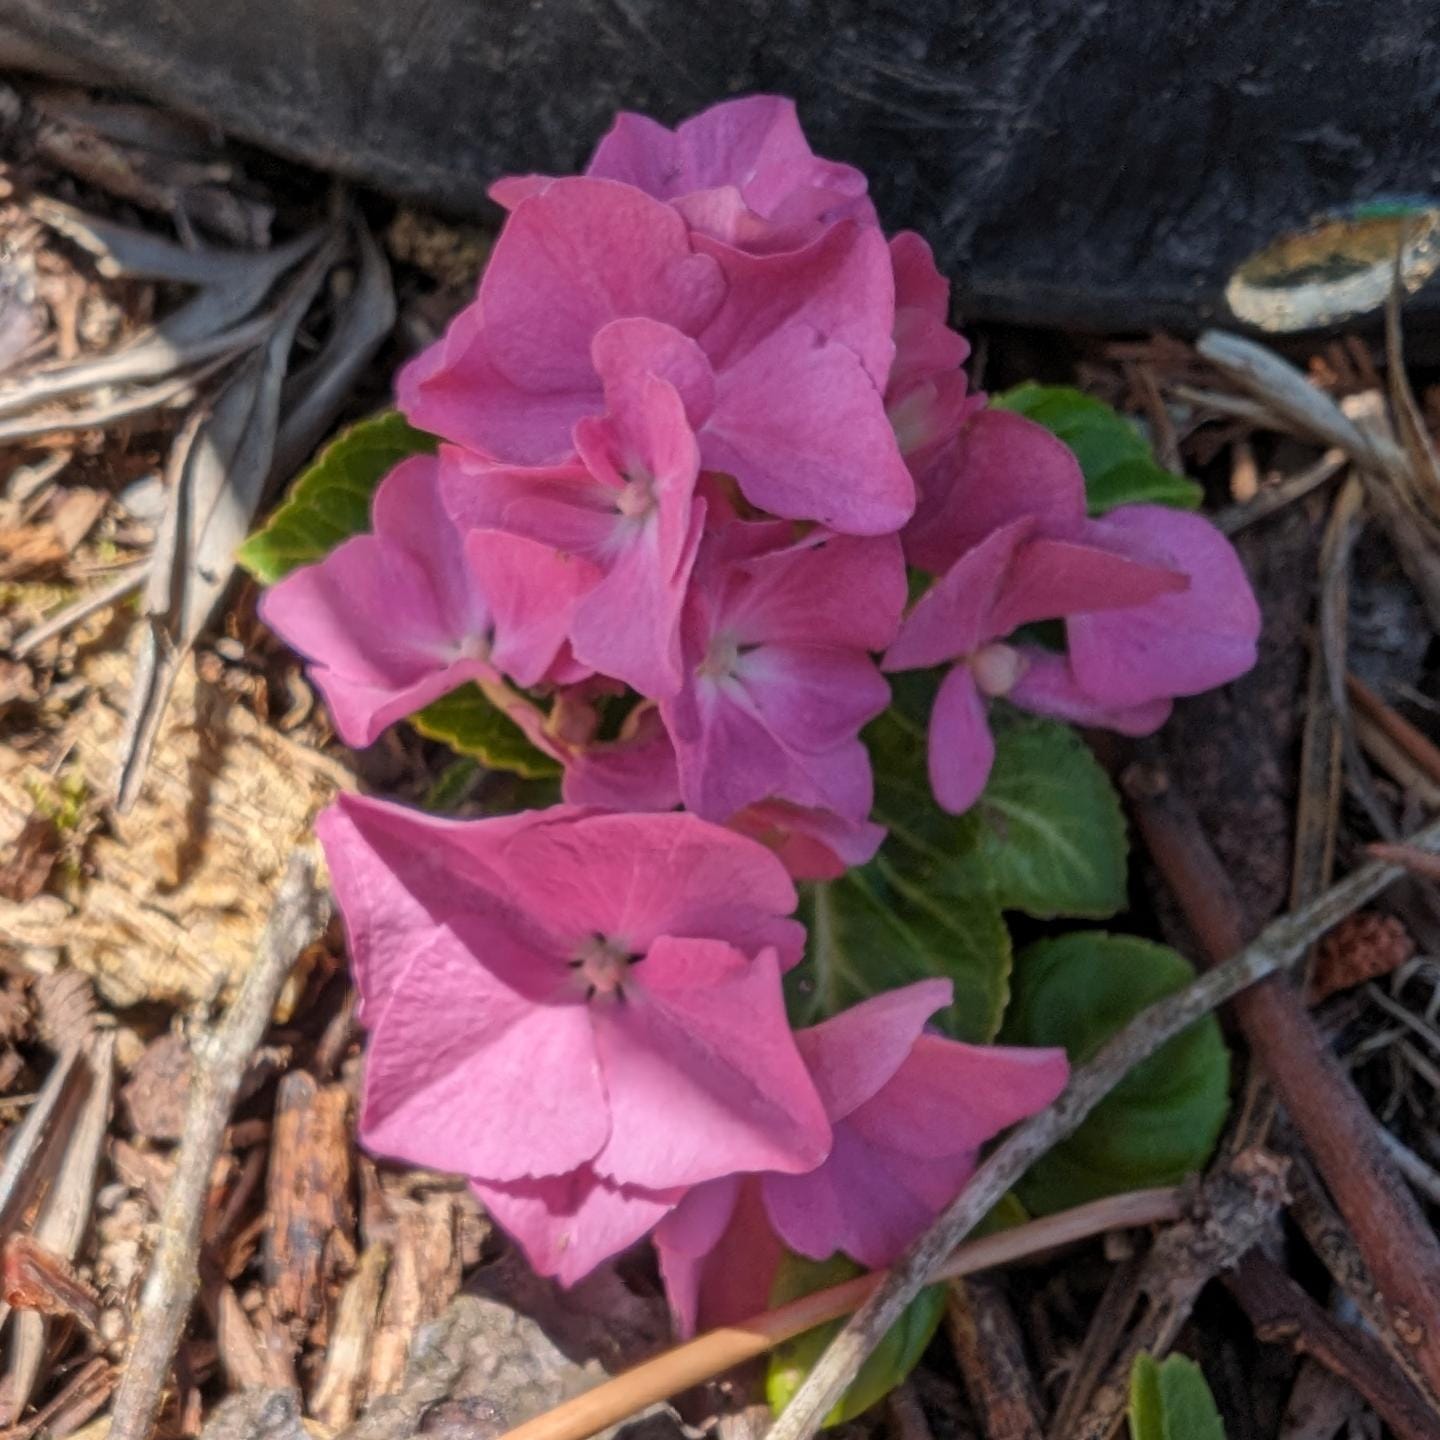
(220, 1062)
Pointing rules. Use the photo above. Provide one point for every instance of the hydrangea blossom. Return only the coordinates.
(910, 1112)
(608, 983)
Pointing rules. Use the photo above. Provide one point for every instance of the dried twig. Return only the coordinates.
(1282, 1313)
(1281, 944)
(991, 1354)
(220, 1062)
(1274, 498)
(1329, 1115)
(721, 1350)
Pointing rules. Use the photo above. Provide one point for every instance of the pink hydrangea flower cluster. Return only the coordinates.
(582, 1012)
(696, 422)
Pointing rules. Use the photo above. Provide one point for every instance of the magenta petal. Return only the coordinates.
(451, 1066)
(812, 844)
(1178, 644)
(702, 1072)
(638, 151)
(955, 616)
(1047, 686)
(962, 750)
(856, 1203)
(636, 878)
(1002, 468)
(949, 1098)
(803, 429)
(812, 698)
(853, 1054)
(569, 1224)
(919, 284)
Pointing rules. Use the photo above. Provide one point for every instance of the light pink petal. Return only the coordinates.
(812, 844)
(812, 698)
(961, 748)
(1049, 578)
(927, 414)
(455, 390)
(702, 1072)
(732, 1279)
(838, 590)
(955, 616)
(509, 190)
(532, 592)
(569, 1224)
(1177, 644)
(855, 1203)
(949, 1098)
(564, 507)
(635, 878)
(451, 1067)
(1047, 686)
(1001, 468)
(854, 1054)
(401, 876)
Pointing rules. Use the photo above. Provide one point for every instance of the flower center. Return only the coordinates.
(601, 967)
(722, 659)
(637, 498)
(996, 668)
(475, 647)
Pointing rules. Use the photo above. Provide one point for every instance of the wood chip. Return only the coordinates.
(336, 1395)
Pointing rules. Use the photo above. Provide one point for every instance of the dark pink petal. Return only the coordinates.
(855, 1053)
(803, 430)
(569, 1224)
(1047, 686)
(389, 621)
(856, 1203)
(812, 844)
(1051, 577)
(635, 878)
(837, 590)
(398, 874)
(962, 750)
(956, 615)
(1177, 644)
(452, 1065)
(919, 285)
(532, 592)
(1002, 468)
(718, 1255)
(702, 1072)
(949, 1098)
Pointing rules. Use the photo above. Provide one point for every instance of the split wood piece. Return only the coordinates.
(1283, 1314)
(1283, 942)
(1238, 1206)
(991, 1354)
(1411, 741)
(300, 913)
(335, 1398)
(1329, 1115)
(717, 1351)
(308, 1193)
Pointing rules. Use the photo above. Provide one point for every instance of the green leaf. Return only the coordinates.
(330, 501)
(891, 1361)
(472, 724)
(1051, 830)
(1171, 1401)
(1161, 1122)
(924, 907)
(1117, 462)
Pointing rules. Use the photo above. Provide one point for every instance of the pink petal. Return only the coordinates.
(702, 1072)
(636, 878)
(955, 616)
(919, 285)
(636, 771)
(1051, 577)
(685, 1238)
(854, 1054)
(533, 592)
(812, 698)
(949, 1098)
(626, 352)
(1002, 468)
(812, 844)
(962, 750)
(569, 1224)
(1177, 644)
(639, 151)
(509, 190)
(1047, 686)
(803, 429)
(450, 1072)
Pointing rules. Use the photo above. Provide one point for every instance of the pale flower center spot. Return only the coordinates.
(996, 669)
